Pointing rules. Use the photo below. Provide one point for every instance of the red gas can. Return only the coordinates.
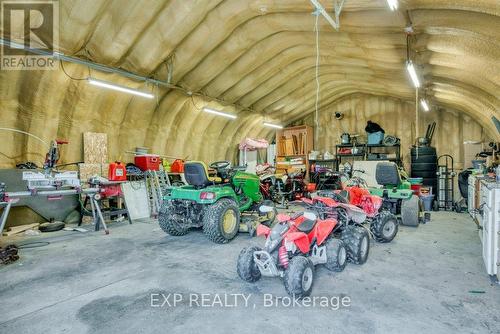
(147, 162)
(117, 172)
(177, 166)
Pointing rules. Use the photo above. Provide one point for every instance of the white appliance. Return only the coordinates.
(490, 200)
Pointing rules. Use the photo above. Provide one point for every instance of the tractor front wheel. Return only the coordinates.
(221, 221)
(246, 267)
(170, 222)
(299, 277)
(410, 211)
(384, 227)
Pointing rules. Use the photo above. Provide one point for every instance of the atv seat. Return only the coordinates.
(306, 226)
(196, 174)
(387, 174)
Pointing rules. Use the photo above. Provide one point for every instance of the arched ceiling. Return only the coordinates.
(260, 55)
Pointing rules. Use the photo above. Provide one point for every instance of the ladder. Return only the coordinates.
(156, 184)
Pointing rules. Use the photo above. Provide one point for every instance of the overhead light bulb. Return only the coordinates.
(276, 126)
(119, 88)
(325, 14)
(393, 4)
(424, 105)
(219, 113)
(413, 74)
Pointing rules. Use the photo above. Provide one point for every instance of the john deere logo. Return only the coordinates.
(30, 34)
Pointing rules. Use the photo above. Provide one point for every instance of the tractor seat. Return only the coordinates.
(387, 174)
(196, 174)
(306, 226)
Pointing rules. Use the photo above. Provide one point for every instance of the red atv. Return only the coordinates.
(293, 247)
(357, 201)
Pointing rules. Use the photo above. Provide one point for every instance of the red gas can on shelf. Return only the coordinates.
(117, 172)
(147, 162)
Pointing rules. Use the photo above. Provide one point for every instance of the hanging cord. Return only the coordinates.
(194, 104)
(316, 114)
(28, 134)
(69, 76)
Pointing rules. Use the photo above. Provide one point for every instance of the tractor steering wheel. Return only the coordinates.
(220, 165)
(222, 168)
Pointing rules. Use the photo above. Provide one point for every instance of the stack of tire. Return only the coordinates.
(424, 165)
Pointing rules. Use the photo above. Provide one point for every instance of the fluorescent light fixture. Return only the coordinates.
(413, 74)
(219, 113)
(325, 14)
(119, 88)
(393, 4)
(424, 105)
(276, 126)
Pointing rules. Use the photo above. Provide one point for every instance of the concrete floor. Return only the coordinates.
(93, 283)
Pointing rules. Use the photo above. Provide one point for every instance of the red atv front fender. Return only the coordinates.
(322, 230)
(300, 239)
(263, 230)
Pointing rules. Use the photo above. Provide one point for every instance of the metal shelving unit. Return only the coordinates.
(366, 151)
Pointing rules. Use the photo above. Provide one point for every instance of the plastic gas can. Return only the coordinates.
(117, 171)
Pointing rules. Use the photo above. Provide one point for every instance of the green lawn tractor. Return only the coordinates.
(221, 205)
(397, 195)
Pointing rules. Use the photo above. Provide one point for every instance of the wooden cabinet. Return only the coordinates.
(295, 141)
(292, 148)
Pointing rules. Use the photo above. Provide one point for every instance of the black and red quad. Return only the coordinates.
(293, 247)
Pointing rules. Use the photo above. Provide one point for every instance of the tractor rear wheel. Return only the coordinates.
(410, 211)
(221, 221)
(336, 255)
(384, 227)
(170, 222)
(246, 267)
(357, 242)
(299, 277)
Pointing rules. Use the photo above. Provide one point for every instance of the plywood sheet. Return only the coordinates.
(95, 148)
(90, 170)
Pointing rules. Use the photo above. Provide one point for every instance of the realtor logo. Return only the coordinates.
(30, 34)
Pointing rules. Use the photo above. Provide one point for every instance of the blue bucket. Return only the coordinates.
(375, 138)
(427, 200)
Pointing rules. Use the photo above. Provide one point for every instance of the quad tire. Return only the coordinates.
(299, 277)
(336, 255)
(51, 226)
(246, 267)
(170, 222)
(410, 211)
(425, 159)
(221, 221)
(384, 227)
(357, 242)
(423, 167)
(423, 150)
